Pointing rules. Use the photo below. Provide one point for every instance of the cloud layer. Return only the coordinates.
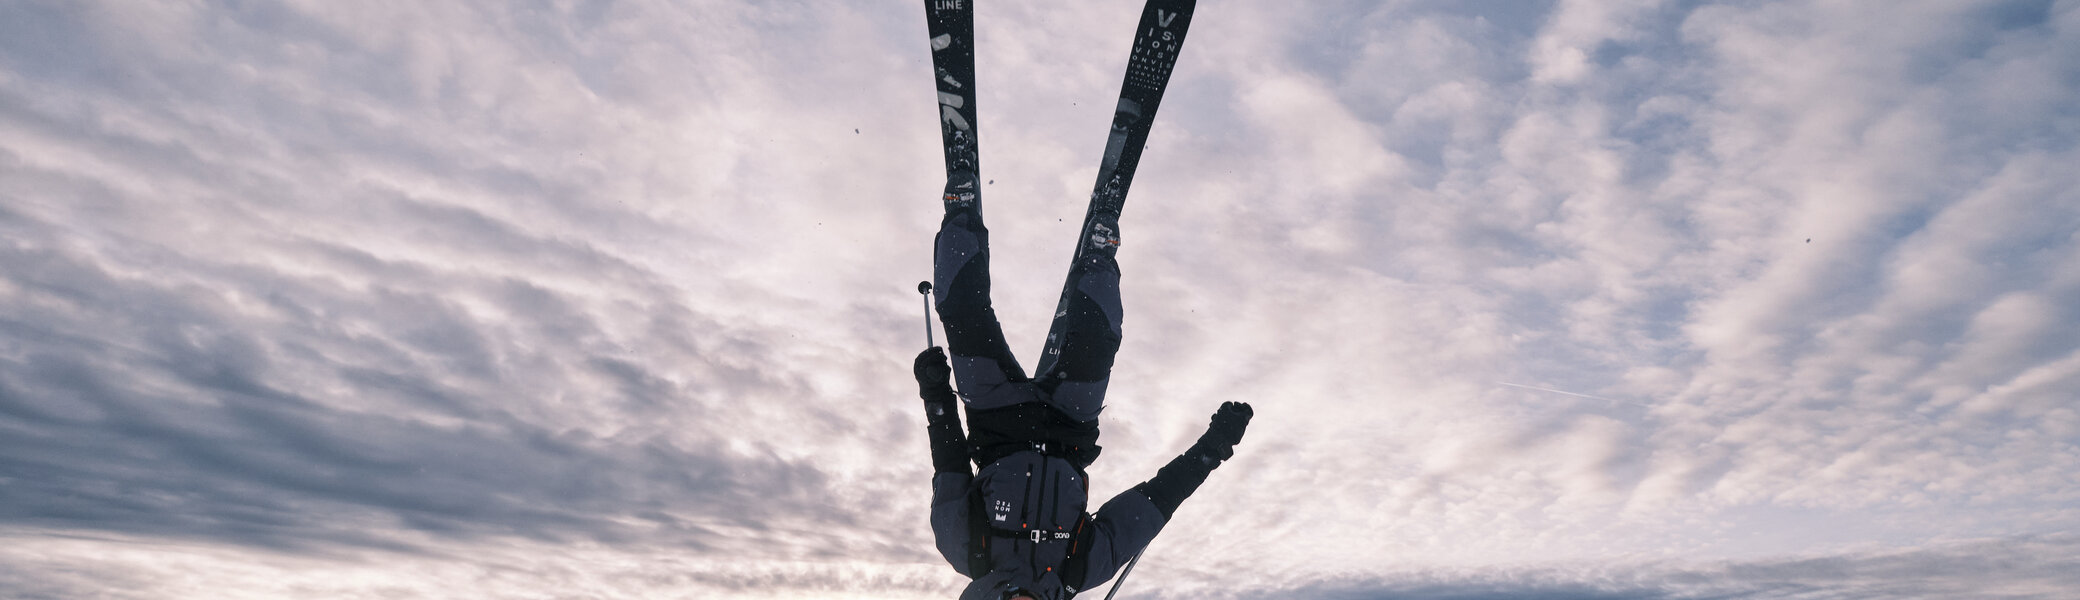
(1599, 300)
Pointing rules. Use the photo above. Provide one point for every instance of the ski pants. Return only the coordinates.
(1077, 361)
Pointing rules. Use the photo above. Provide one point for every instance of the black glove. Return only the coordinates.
(1177, 480)
(1229, 423)
(942, 419)
(933, 375)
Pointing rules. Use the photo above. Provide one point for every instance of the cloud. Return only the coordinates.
(61, 566)
(263, 290)
(1716, 300)
(1636, 232)
(2032, 567)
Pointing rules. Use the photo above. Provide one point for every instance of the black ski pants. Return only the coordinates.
(1087, 325)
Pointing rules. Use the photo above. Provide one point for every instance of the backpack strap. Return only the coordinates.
(1030, 534)
(978, 534)
(1077, 564)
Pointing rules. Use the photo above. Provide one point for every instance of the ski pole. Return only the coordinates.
(1123, 576)
(924, 290)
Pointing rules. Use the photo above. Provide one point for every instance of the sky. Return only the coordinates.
(615, 299)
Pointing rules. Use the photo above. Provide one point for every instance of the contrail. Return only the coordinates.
(1533, 387)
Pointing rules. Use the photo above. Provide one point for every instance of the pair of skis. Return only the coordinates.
(1157, 38)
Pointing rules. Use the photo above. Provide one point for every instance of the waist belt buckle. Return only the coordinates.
(1038, 536)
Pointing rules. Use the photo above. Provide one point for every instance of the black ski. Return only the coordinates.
(1161, 35)
(951, 24)
(1156, 43)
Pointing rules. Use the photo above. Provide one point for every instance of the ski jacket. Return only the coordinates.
(1000, 432)
(1025, 513)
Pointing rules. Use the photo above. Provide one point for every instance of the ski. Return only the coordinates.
(1156, 42)
(1157, 39)
(951, 24)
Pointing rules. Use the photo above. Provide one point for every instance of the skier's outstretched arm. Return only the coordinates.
(950, 477)
(1128, 522)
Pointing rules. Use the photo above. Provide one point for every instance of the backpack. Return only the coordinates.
(1026, 518)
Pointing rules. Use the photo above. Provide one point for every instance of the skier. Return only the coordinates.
(1018, 525)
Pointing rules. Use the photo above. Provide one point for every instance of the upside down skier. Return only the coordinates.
(1018, 525)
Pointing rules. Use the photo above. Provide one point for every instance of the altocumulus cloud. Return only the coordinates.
(275, 282)
(1550, 299)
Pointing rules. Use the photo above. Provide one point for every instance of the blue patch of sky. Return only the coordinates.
(49, 42)
(1654, 63)
(1987, 26)
(1663, 317)
(2018, 14)
(1496, 30)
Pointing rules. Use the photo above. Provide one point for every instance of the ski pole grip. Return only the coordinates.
(924, 289)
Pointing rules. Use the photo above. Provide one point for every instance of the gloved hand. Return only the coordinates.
(1229, 423)
(933, 375)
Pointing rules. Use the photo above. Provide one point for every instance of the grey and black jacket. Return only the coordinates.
(1032, 528)
(1019, 523)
